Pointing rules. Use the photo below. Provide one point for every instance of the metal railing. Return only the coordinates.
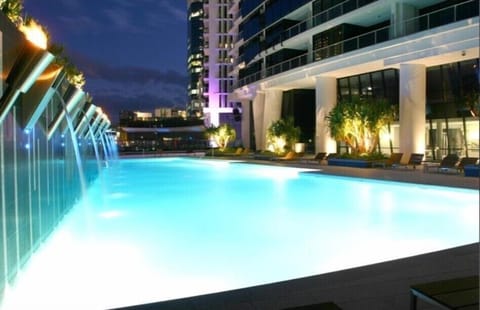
(417, 24)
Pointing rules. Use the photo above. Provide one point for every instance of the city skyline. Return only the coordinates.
(133, 55)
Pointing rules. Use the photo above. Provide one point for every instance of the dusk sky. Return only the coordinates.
(132, 52)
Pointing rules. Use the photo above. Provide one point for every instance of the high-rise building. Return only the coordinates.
(195, 45)
(211, 84)
(217, 62)
(298, 58)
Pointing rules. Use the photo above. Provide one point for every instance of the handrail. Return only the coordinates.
(310, 22)
(407, 27)
(324, 16)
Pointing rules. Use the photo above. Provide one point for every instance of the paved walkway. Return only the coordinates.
(410, 175)
(383, 286)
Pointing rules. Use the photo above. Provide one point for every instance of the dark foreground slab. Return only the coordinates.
(380, 286)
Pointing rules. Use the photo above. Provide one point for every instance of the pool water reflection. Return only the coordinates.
(159, 229)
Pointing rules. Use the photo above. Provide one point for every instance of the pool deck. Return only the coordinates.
(383, 286)
(409, 175)
(374, 287)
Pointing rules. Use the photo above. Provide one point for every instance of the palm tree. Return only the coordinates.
(222, 135)
(13, 10)
(358, 122)
(74, 76)
(282, 135)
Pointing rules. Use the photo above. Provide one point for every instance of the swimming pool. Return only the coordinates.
(159, 229)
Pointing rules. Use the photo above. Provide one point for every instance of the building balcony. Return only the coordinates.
(428, 22)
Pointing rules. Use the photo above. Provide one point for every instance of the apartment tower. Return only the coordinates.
(298, 58)
(195, 58)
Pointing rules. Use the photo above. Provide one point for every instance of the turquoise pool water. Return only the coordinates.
(158, 229)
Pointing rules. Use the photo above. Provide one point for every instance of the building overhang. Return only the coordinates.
(451, 43)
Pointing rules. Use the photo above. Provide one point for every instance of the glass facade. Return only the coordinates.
(379, 84)
(452, 126)
(195, 58)
(340, 38)
(452, 100)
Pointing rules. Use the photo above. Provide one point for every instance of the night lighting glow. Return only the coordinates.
(35, 34)
(158, 229)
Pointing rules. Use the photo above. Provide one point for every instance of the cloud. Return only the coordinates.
(179, 14)
(116, 88)
(131, 74)
(81, 23)
(120, 19)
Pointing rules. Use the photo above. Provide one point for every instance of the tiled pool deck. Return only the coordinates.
(409, 174)
(383, 286)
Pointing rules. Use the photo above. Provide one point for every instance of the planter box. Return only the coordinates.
(472, 170)
(357, 163)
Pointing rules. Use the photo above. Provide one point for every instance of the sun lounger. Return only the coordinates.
(465, 161)
(394, 159)
(320, 156)
(448, 162)
(414, 160)
(291, 155)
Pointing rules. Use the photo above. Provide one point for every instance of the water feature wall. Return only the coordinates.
(49, 131)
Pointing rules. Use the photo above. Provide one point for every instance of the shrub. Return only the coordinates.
(282, 135)
(358, 122)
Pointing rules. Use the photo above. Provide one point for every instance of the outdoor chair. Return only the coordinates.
(458, 293)
(330, 156)
(291, 155)
(317, 159)
(448, 163)
(394, 159)
(414, 160)
(239, 151)
(465, 161)
(320, 156)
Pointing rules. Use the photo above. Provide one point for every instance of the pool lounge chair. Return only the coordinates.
(414, 160)
(291, 155)
(466, 161)
(394, 159)
(448, 163)
(317, 159)
(458, 293)
(329, 156)
(320, 156)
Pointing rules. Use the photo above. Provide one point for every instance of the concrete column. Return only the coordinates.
(401, 19)
(214, 117)
(325, 100)
(412, 108)
(273, 110)
(246, 107)
(258, 106)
